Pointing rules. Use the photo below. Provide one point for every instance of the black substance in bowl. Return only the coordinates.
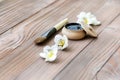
(73, 26)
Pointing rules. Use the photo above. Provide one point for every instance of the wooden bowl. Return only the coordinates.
(73, 31)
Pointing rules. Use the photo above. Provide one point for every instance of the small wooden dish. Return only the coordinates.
(73, 31)
(77, 31)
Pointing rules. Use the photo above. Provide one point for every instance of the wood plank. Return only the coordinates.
(30, 25)
(16, 11)
(14, 37)
(19, 59)
(94, 56)
(111, 70)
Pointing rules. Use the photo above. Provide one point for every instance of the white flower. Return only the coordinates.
(49, 53)
(87, 18)
(61, 41)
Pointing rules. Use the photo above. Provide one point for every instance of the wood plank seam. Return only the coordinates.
(49, 11)
(13, 4)
(112, 52)
(88, 45)
(95, 77)
(31, 16)
(78, 54)
(114, 18)
(72, 60)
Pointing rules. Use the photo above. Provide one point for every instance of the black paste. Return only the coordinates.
(73, 26)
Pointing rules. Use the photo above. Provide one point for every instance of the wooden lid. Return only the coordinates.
(89, 30)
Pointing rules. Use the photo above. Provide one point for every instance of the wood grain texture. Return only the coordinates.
(33, 25)
(94, 56)
(16, 11)
(19, 56)
(111, 70)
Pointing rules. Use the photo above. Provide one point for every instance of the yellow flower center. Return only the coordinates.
(85, 21)
(61, 43)
(50, 54)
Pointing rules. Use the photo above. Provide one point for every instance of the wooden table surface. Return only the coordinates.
(22, 21)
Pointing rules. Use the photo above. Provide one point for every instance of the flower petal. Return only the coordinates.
(87, 18)
(46, 49)
(55, 49)
(52, 55)
(51, 59)
(61, 41)
(49, 53)
(42, 55)
(57, 38)
(81, 15)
